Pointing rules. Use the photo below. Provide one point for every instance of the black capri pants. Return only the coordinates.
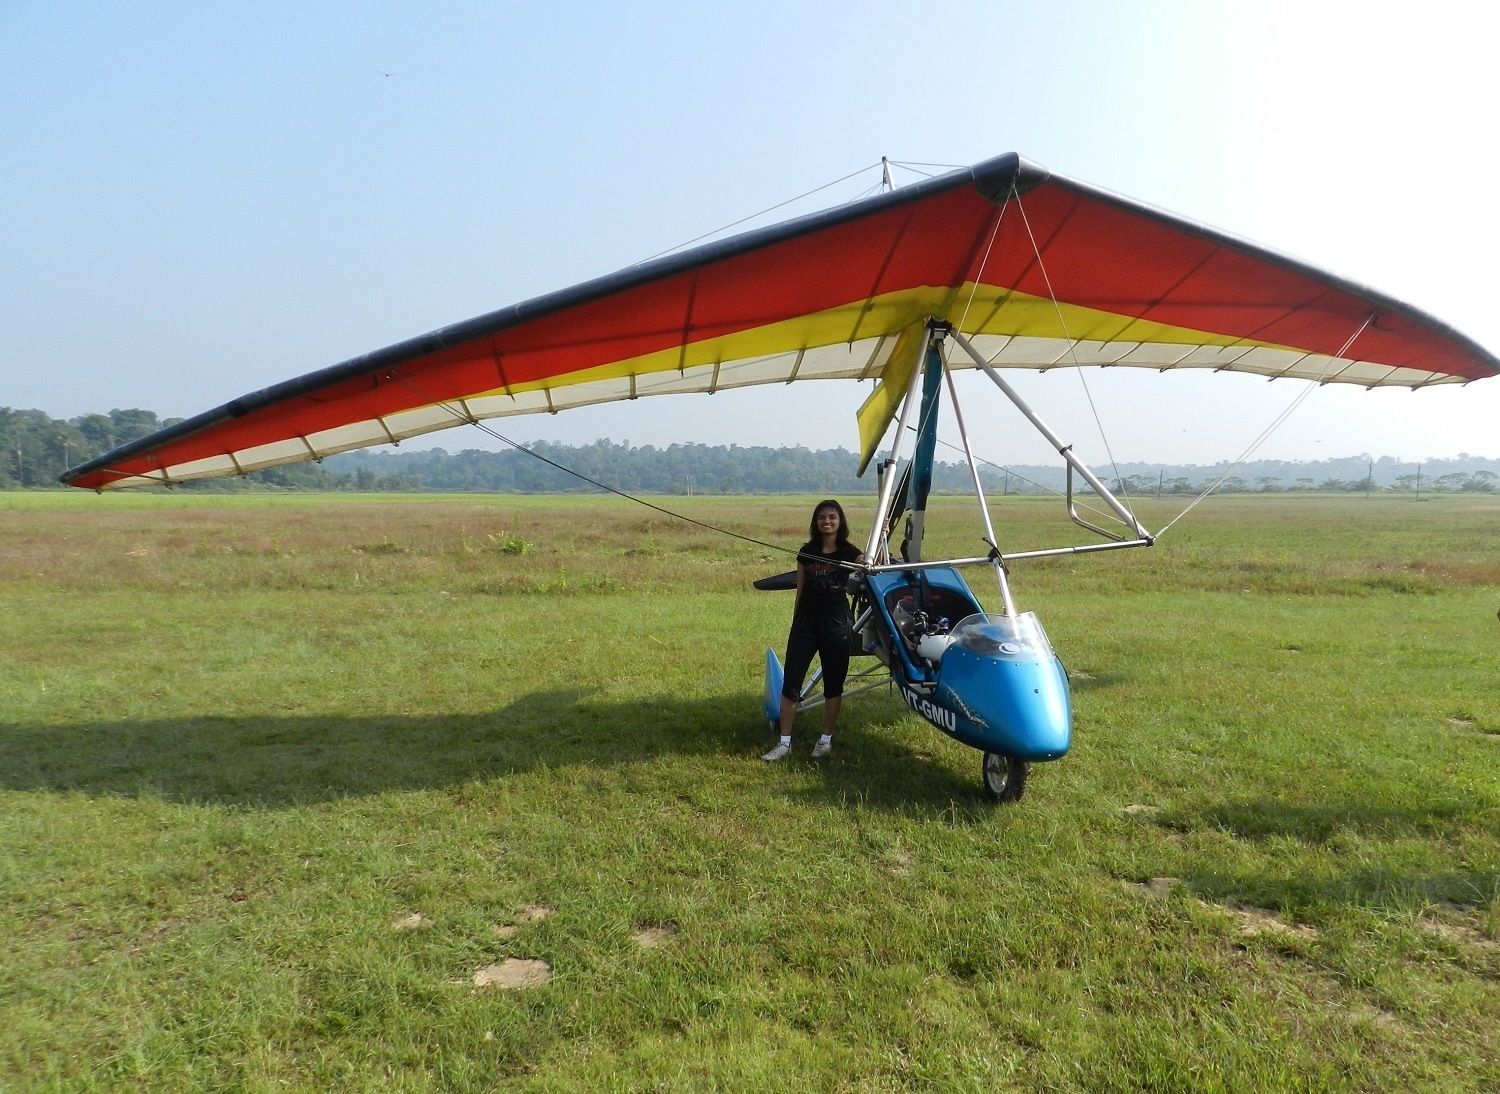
(826, 636)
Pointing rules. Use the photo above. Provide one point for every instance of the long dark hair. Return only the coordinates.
(815, 537)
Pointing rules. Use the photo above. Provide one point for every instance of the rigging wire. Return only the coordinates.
(1276, 423)
(867, 192)
(1072, 343)
(463, 416)
(974, 288)
(978, 277)
(752, 216)
(985, 261)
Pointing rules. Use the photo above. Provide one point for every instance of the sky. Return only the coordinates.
(202, 200)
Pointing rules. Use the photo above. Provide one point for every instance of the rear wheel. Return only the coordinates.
(1004, 777)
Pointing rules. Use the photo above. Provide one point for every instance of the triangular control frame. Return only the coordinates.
(923, 391)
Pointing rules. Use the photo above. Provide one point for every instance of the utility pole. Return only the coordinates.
(1159, 475)
(1369, 479)
(1419, 482)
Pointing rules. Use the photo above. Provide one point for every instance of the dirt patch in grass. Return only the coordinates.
(1253, 921)
(648, 938)
(412, 922)
(532, 913)
(1382, 1020)
(1465, 931)
(1158, 887)
(149, 937)
(1257, 921)
(513, 974)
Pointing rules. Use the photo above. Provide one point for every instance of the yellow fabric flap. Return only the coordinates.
(875, 414)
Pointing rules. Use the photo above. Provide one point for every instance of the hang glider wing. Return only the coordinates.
(1037, 269)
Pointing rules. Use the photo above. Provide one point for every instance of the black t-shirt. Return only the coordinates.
(823, 582)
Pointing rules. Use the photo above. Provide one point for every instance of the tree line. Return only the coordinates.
(1478, 481)
(36, 448)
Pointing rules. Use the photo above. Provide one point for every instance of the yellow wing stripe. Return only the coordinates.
(993, 311)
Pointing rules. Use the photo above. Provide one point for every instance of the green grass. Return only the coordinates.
(241, 736)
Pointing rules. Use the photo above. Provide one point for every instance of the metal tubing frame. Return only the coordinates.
(1083, 549)
(1076, 519)
(814, 704)
(984, 509)
(877, 534)
(895, 567)
(1063, 450)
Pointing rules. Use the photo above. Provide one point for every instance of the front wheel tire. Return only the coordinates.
(1004, 777)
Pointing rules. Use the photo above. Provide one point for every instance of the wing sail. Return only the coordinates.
(829, 296)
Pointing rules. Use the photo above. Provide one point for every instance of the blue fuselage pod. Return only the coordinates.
(1016, 704)
(996, 685)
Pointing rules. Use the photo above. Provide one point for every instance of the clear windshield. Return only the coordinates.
(1003, 635)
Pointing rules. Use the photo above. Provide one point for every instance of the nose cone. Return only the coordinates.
(1016, 705)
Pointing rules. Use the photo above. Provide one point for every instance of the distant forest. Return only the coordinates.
(35, 448)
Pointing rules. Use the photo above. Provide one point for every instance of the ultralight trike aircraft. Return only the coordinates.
(988, 680)
(998, 266)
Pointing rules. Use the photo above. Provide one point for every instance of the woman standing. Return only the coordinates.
(820, 624)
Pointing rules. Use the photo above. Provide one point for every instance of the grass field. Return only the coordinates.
(280, 777)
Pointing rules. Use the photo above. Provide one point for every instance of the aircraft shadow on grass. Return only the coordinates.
(281, 761)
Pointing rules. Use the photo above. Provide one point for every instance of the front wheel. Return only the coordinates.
(1004, 777)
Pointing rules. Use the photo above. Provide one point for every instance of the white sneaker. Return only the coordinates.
(822, 749)
(777, 753)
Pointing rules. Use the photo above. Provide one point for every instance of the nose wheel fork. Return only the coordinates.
(1004, 776)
